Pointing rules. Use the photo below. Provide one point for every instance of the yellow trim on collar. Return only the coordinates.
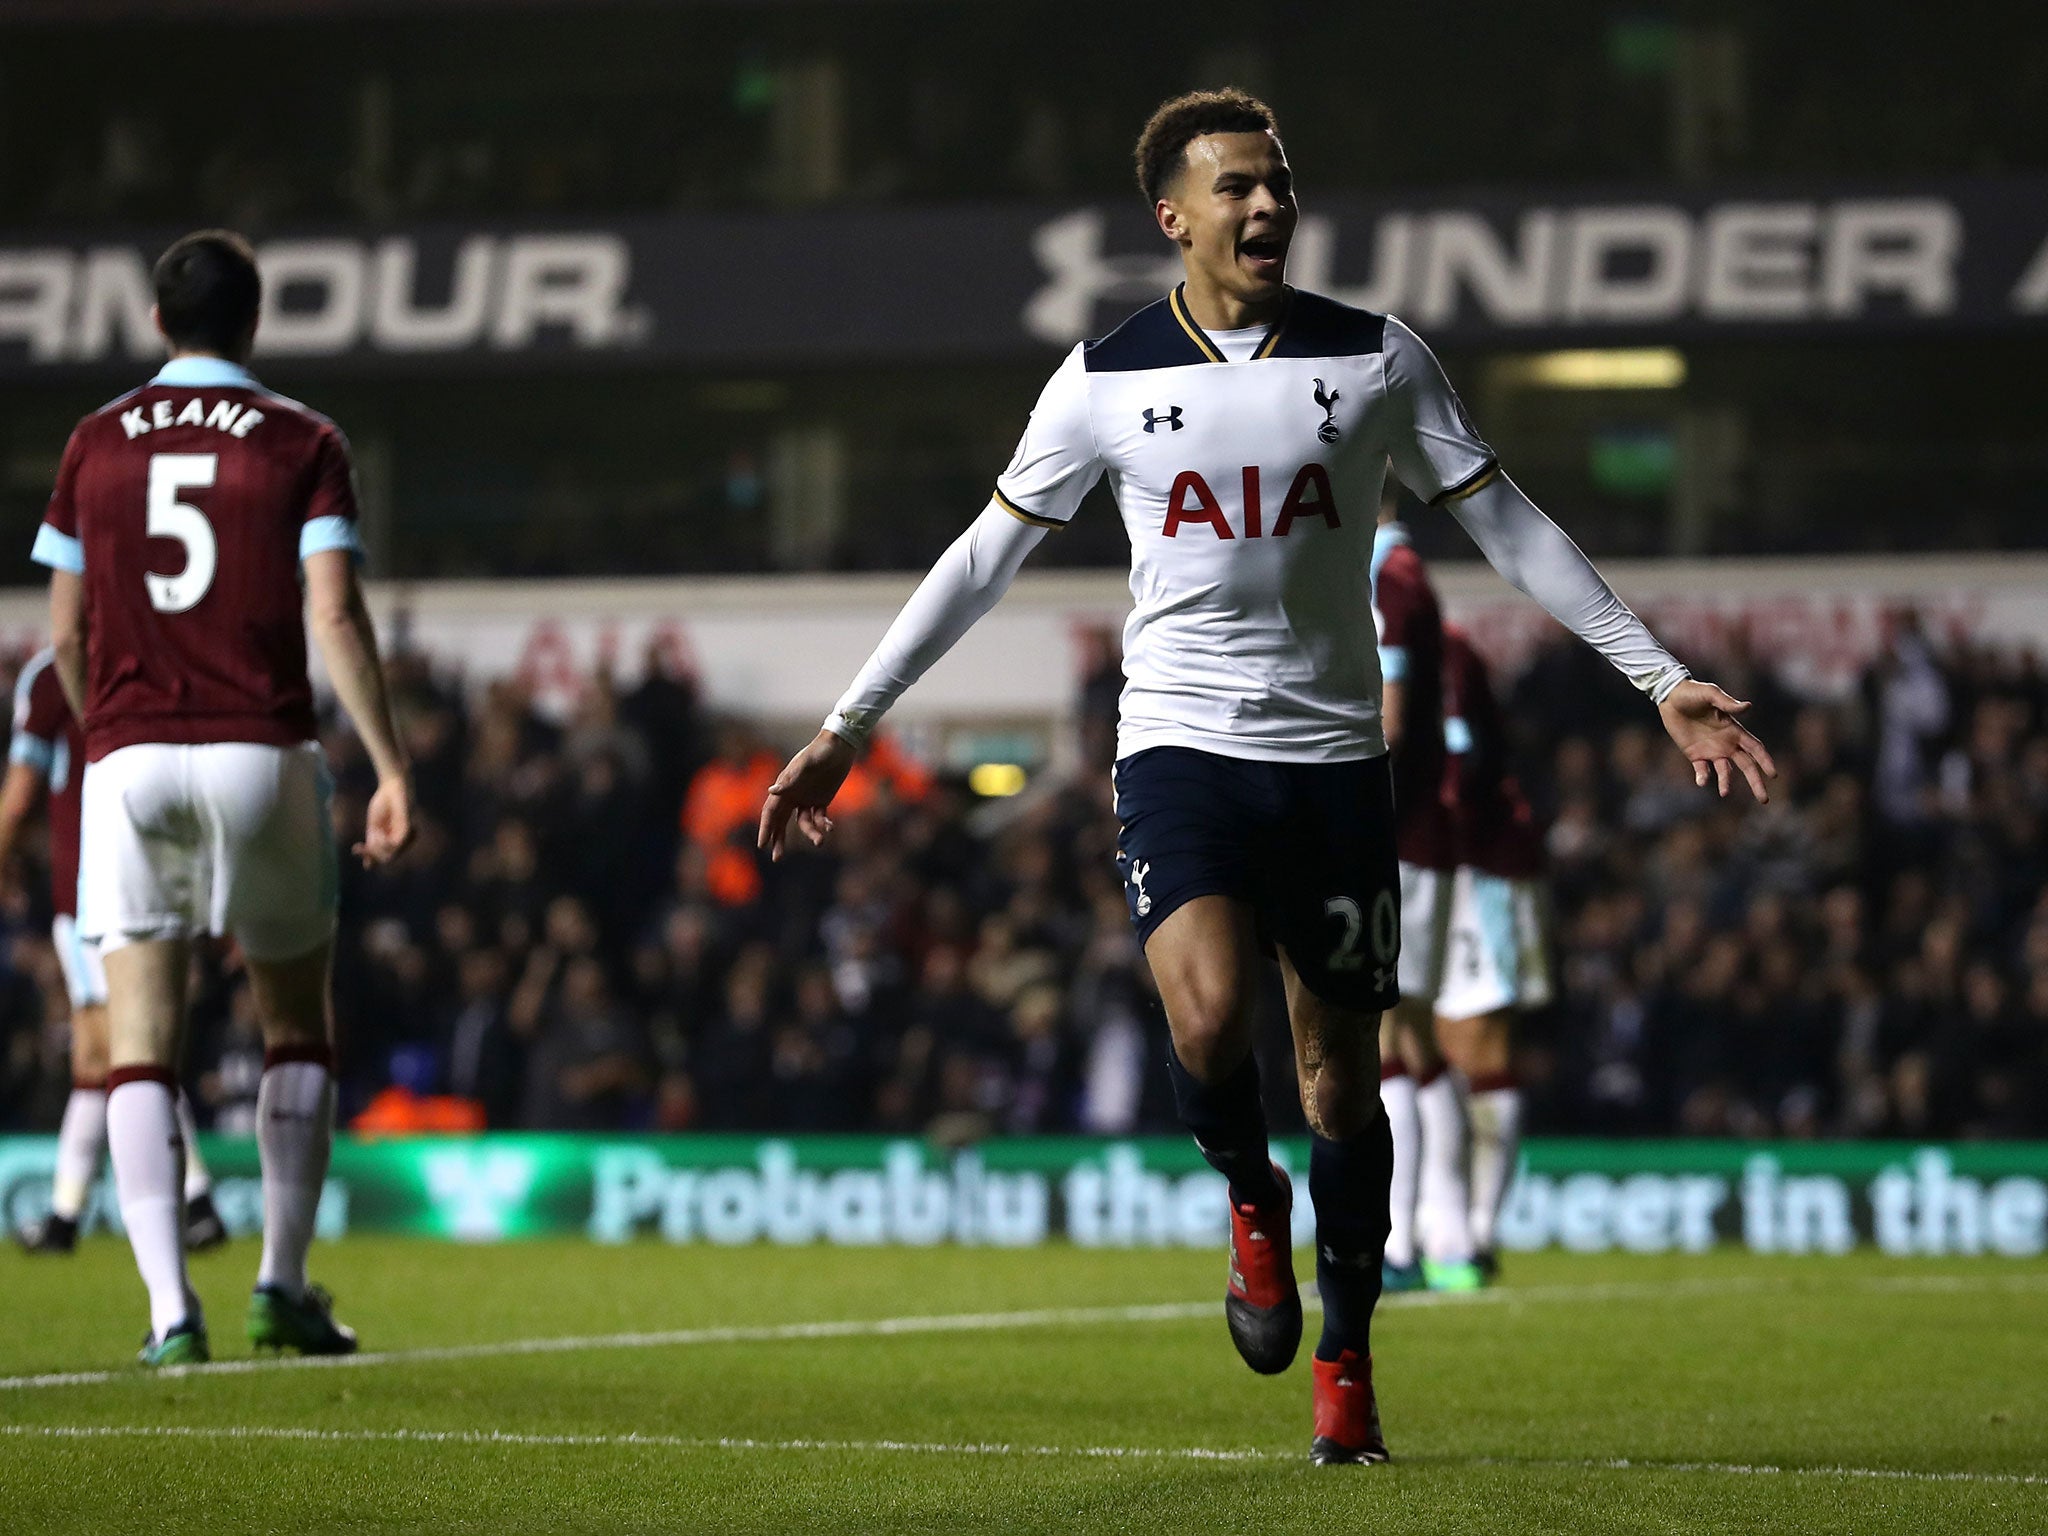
(1187, 323)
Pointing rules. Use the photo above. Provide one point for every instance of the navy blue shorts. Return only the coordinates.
(1309, 847)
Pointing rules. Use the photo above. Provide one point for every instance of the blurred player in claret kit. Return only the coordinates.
(1246, 429)
(1427, 1238)
(47, 751)
(198, 524)
(1497, 958)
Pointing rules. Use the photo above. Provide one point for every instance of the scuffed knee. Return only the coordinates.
(1340, 1102)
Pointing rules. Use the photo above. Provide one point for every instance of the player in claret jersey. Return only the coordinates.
(196, 524)
(1498, 954)
(1246, 430)
(1425, 1109)
(48, 751)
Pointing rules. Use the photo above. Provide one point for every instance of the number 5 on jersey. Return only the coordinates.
(170, 518)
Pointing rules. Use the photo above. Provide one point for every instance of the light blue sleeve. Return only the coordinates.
(32, 750)
(59, 551)
(321, 534)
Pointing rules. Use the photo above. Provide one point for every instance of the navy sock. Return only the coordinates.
(1228, 1122)
(1350, 1182)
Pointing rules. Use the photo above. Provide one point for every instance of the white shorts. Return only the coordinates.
(229, 837)
(1425, 920)
(85, 979)
(1499, 950)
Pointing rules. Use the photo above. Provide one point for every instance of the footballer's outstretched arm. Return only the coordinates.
(1438, 455)
(1539, 557)
(964, 584)
(341, 626)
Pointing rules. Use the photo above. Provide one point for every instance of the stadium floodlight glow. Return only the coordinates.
(994, 781)
(1603, 368)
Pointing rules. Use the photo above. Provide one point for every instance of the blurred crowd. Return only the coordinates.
(584, 939)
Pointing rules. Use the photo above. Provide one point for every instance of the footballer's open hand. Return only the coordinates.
(1701, 719)
(803, 790)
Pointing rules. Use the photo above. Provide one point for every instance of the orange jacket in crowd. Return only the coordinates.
(401, 1112)
(723, 810)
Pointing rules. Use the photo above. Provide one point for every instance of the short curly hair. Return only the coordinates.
(1162, 147)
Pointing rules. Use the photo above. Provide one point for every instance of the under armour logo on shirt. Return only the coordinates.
(1171, 419)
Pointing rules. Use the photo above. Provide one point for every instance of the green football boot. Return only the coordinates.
(183, 1345)
(1461, 1276)
(1395, 1278)
(278, 1321)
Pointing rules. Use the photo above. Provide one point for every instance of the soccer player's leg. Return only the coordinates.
(275, 890)
(295, 1139)
(82, 1133)
(1350, 1170)
(204, 1228)
(1440, 1219)
(1333, 893)
(1475, 1013)
(1403, 1265)
(138, 868)
(1480, 1047)
(1182, 844)
(1204, 956)
(145, 1007)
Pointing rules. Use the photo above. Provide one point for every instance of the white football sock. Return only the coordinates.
(294, 1134)
(197, 1180)
(149, 1157)
(1496, 1143)
(1397, 1093)
(81, 1137)
(1442, 1201)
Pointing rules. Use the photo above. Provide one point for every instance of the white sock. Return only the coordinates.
(197, 1180)
(1397, 1093)
(81, 1137)
(149, 1157)
(294, 1134)
(1496, 1143)
(1442, 1199)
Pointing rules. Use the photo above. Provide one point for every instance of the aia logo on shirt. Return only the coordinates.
(1192, 503)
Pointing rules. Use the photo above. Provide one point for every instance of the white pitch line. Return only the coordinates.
(990, 1322)
(776, 1333)
(637, 1441)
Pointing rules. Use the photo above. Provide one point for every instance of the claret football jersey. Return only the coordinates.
(46, 738)
(1494, 829)
(187, 506)
(1249, 488)
(1410, 624)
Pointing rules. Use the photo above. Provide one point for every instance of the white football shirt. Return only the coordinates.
(1249, 475)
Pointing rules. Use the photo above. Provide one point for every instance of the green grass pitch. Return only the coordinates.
(1724, 1393)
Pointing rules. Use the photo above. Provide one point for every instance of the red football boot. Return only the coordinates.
(1263, 1304)
(1347, 1414)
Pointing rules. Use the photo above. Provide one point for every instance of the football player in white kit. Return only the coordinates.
(1245, 428)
